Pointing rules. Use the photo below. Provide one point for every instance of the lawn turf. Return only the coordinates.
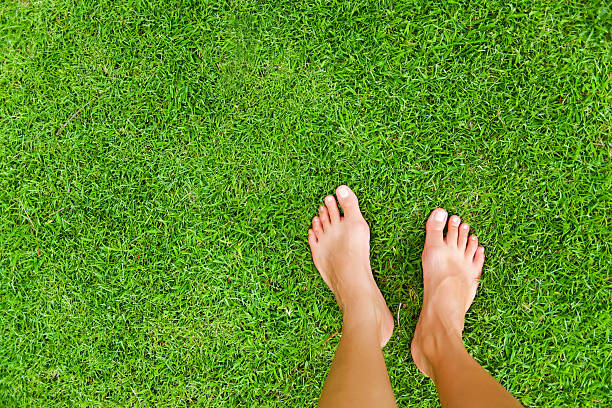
(160, 162)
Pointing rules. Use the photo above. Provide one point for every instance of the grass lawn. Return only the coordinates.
(160, 162)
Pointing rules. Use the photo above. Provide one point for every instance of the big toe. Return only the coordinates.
(348, 202)
(435, 227)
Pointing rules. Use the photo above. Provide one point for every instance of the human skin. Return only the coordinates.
(452, 264)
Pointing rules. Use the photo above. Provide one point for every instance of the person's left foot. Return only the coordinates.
(340, 248)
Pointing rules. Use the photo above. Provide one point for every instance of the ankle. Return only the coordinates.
(363, 312)
(363, 324)
(435, 345)
(438, 336)
(358, 296)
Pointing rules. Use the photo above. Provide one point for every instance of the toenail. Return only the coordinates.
(343, 192)
(455, 221)
(440, 215)
(464, 226)
(473, 238)
(322, 209)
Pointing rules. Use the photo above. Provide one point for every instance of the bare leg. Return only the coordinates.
(341, 252)
(451, 267)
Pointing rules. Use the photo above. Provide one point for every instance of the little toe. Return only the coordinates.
(435, 227)
(332, 209)
(324, 217)
(479, 258)
(312, 239)
(471, 246)
(452, 232)
(348, 202)
(464, 229)
(316, 227)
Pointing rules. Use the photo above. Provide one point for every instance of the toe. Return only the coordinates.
(316, 227)
(479, 259)
(464, 229)
(435, 227)
(312, 239)
(324, 217)
(348, 201)
(453, 227)
(471, 246)
(332, 209)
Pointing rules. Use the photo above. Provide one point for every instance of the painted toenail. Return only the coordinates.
(440, 215)
(343, 192)
(465, 226)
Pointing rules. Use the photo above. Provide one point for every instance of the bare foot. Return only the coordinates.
(451, 267)
(340, 248)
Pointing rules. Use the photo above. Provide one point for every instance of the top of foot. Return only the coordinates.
(340, 246)
(451, 267)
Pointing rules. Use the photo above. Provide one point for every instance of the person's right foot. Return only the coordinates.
(451, 267)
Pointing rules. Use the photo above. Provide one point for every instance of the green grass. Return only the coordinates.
(160, 162)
